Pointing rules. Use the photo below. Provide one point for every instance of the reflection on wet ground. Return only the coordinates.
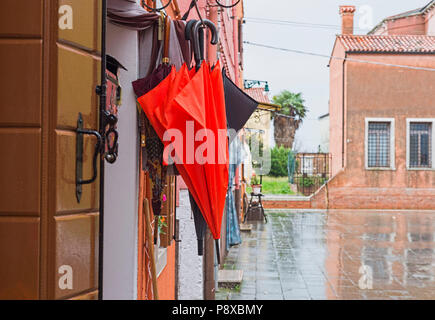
(337, 255)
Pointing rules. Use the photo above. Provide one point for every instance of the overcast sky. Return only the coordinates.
(304, 73)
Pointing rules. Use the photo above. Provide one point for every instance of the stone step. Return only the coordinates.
(245, 227)
(229, 278)
(273, 204)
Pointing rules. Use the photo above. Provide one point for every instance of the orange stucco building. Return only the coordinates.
(382, 116)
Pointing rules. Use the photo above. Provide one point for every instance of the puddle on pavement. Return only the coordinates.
(337, 255)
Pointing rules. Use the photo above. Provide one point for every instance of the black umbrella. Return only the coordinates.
(113, 65)
(200, 224)
(239, 106)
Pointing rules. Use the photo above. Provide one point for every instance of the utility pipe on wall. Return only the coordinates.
(102, 93)
(237, 79)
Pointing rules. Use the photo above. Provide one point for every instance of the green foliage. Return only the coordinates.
(255, 180)
(307, 181)
(292, 104)
(273, 185)
(279, 157)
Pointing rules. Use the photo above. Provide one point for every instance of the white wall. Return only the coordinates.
(121, 178)
(190, 264)
(324, 133)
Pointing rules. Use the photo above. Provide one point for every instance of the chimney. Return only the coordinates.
(347, 13)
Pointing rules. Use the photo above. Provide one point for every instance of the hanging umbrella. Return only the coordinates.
(152, 154)
(197, 34)
(217, 171)
(239, 106)
(193, 104)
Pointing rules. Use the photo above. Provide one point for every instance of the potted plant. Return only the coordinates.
(255, 184)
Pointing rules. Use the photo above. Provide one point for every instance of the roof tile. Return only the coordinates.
(388, 44)
(258, 94)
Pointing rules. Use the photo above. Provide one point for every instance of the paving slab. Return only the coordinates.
(230, 278)
(346, 255)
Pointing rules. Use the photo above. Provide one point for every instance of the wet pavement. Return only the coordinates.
(336, 255)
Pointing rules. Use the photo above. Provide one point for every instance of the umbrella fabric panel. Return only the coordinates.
(233, 230)
(128, 13)
(239, 106)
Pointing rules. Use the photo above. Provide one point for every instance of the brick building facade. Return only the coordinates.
(382, 115)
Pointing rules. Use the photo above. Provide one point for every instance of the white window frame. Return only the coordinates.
(392, 122)
(408, 143)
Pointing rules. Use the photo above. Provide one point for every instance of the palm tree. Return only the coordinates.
(288, 120)
(292, 104)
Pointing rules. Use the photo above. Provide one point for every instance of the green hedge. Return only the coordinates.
(279, 157)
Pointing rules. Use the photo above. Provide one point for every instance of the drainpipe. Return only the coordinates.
(212, 49)
(102, 92)
(343, 113)
(236, 45)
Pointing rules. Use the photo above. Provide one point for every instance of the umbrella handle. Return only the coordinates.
(189, 36)
(188, 31)
(198, 40)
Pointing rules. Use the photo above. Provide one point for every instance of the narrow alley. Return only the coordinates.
(336, 255)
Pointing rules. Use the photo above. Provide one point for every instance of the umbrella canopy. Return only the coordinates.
(193, 104)
(239, 106)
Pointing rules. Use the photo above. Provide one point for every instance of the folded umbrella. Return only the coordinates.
(193, 105)
(163, 115)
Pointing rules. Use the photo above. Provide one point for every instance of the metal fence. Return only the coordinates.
(312, 170)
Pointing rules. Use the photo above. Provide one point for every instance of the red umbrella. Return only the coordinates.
(156, 104)
(191, 105)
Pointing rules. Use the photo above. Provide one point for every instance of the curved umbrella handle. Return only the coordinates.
(189, 36)
(189, 27)
(197, 38)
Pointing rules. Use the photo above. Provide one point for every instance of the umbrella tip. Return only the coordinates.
(200, 247)
(218, 254)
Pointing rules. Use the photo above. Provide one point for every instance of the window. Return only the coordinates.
(380, 144)
(420, 145)
(420, 153)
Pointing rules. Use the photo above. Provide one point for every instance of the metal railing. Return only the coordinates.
(312, 170)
